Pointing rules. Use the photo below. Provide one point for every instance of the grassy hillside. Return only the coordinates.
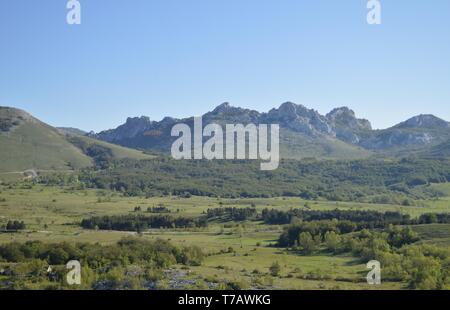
(439, 151)
(26, 143)
(117, 151)
(297, 146)
(29, 144)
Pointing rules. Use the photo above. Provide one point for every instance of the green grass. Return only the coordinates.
(62, 206)
(36, 146)
(52, 214)
(295, 146)
(118, 152)
(436, 233)
(444, 188)
(32, 144)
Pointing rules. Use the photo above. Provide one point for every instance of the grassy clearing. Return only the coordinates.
(438, 234)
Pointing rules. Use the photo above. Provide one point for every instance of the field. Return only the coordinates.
(240, 252)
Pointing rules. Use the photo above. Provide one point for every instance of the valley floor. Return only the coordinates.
(240, 252)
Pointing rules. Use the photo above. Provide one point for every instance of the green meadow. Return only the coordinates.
(236, 251)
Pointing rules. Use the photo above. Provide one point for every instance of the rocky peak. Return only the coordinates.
(133, 121)
(132, 127)
(345, 117)
(341, 113)
(340, 123)
(228, 113)
(167, 121)
(224, 107)
(301, 119)
(347, 126)
(424, 121)
(290, 109)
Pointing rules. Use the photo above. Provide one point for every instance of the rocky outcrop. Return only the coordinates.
(341, 123)
(132, 127)
(300, 119)
(347, 127)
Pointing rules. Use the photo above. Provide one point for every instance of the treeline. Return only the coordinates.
(233, 213)
(391, 181)
(434, 218)
(15, 225)
(132, 263)
(319, 223)
(361, 218)
(367, 218)
(141, 222)
(318, 230)
(158, 209)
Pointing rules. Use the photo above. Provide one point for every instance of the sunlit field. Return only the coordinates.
(241, 252)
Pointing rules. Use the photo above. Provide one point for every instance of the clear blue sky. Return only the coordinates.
(184, 57)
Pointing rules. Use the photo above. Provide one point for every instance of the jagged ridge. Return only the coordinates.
(301, 127)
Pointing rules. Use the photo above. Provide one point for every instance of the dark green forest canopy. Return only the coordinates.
(378, 181)
(141, 222)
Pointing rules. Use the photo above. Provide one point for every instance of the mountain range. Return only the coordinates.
(28, 143)
(304, 132)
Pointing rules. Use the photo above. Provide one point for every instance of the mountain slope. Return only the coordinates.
(70, 131)
(438, 151)
(116, 151)
(304, 132)
(298, 146)
(417, 133)
(27, 143)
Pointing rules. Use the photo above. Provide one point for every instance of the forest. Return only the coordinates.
(140, 222)
(383, 181)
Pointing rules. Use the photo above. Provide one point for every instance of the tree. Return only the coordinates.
(428, 218)
(424, 272)
(333, 241)
(15, 225)
(306, 242)
(57, 256)
(400, 236)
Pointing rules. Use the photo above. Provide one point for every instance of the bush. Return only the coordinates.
(15, 225)
(275, 269)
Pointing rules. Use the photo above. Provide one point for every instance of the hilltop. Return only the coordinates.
(27, 143)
